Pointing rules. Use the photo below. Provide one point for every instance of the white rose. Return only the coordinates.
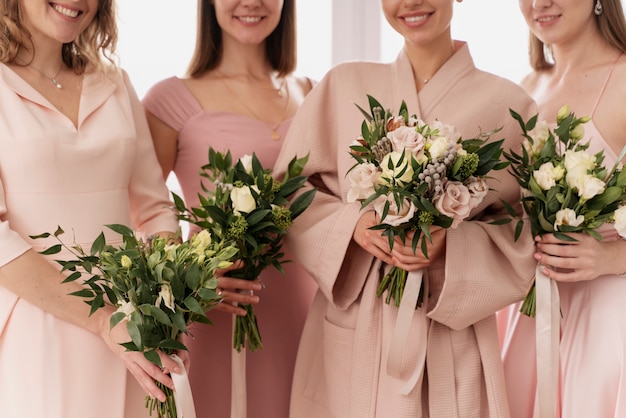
(397, 167)
(455, 202)
(587, 185)
(362, 178)
(246, 161)
(438, 147)
(620, 221)
(127, 308)
(545, 177)
(242, 199)
(396, 215)
(567, 217)
(578, 162)
(166, 296)
(407, 138)
(478, 189)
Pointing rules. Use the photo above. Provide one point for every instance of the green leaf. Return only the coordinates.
(98, 244)
(301, 203)
(156, 313)
(193, 305)
(135, 334)
(173, 345)
(55, 249)
(121, 229)
(153, 356)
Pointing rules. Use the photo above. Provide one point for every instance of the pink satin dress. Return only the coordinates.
(285, 299)
(592, 373)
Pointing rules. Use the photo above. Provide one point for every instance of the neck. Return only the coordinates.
(426, 60)
(583, 54)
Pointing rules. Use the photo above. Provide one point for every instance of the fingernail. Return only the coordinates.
(177, 370)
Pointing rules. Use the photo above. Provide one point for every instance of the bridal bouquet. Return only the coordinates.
(250, 209)
(415, 175)
(159, 288)
(565, 188)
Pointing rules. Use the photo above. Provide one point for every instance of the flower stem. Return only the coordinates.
(394, 282)
(529, 303)
(165, 409)
(247, 329)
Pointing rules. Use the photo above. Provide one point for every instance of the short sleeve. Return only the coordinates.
(171, 102)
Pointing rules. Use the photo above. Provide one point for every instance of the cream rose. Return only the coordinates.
(578, 162)
(242, 199)
(400, 170)
(407, 138)
(587, 185)
(362, 178)
(567, 217)
(455, 202)
(396, 215)
(619, 217)
(437, 147)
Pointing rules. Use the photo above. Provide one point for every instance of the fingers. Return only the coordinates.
(147, 374)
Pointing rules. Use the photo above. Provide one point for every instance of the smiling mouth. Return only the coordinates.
(65, 11)
(545, 19)
(250, 19)
(415, 19)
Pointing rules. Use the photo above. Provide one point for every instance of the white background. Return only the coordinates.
(157, 37)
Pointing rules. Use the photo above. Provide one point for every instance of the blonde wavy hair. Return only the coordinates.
(94, 46)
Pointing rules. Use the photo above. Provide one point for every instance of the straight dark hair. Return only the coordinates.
(280, 45)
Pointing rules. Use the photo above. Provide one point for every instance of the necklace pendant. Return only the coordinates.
(275, 135)
(56, 83)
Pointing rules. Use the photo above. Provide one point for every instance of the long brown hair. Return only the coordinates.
(98, 40)
(612, 27)
(280, 45)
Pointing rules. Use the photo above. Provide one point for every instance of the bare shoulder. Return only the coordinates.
(303, 84)
(531, 81)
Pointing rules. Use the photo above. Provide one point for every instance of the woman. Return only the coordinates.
(75, 151)
(576, 52)
(239, 94)
(474, 270)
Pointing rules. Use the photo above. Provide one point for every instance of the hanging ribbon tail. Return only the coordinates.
(238, 385)
(548, 317)
(182, 391)
(399, 339)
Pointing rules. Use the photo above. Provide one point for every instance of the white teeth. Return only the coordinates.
(414, 19)
(250, 19)
(65, 11)
(545, 19)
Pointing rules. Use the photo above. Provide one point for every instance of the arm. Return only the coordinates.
(165, 140)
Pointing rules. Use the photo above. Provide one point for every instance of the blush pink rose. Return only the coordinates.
(396, 215)
(455, 202)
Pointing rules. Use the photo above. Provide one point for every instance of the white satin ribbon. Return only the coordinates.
(238, 388)
(182, 391)
(548, 318)
(399, 339)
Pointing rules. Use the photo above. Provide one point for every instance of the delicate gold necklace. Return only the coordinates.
(52, 79)
(274, 128)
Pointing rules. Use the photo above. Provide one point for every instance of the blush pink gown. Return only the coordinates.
(52, 173)
(285, 299)
(593, 339)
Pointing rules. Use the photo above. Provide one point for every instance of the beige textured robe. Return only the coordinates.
(341, 368)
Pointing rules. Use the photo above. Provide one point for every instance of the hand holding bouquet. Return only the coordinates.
(250, 209)
(159, 288)
(565, 188)
(415, 175)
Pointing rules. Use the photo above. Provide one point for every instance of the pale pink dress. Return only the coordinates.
(285, 299)
(593, 338)
(52, 173)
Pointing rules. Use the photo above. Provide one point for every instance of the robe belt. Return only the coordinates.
(182, 393)
(399, 340)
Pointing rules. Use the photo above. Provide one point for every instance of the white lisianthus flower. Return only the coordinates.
(545, 177)
(578, 163)
(246, 161)
(398, 166)
(125, 307)
(578, 132)
(568, 217)
(540, 134)
(619, 216)
(587, 185)
(166, 296)
(562, 113)
(408, 139)
(242, 199)
(201, 240)
(170, 251)
(362, 178)
(438, 147)
(126, 262)
(396, 215)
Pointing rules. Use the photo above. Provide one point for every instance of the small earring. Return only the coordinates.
(598, 8)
